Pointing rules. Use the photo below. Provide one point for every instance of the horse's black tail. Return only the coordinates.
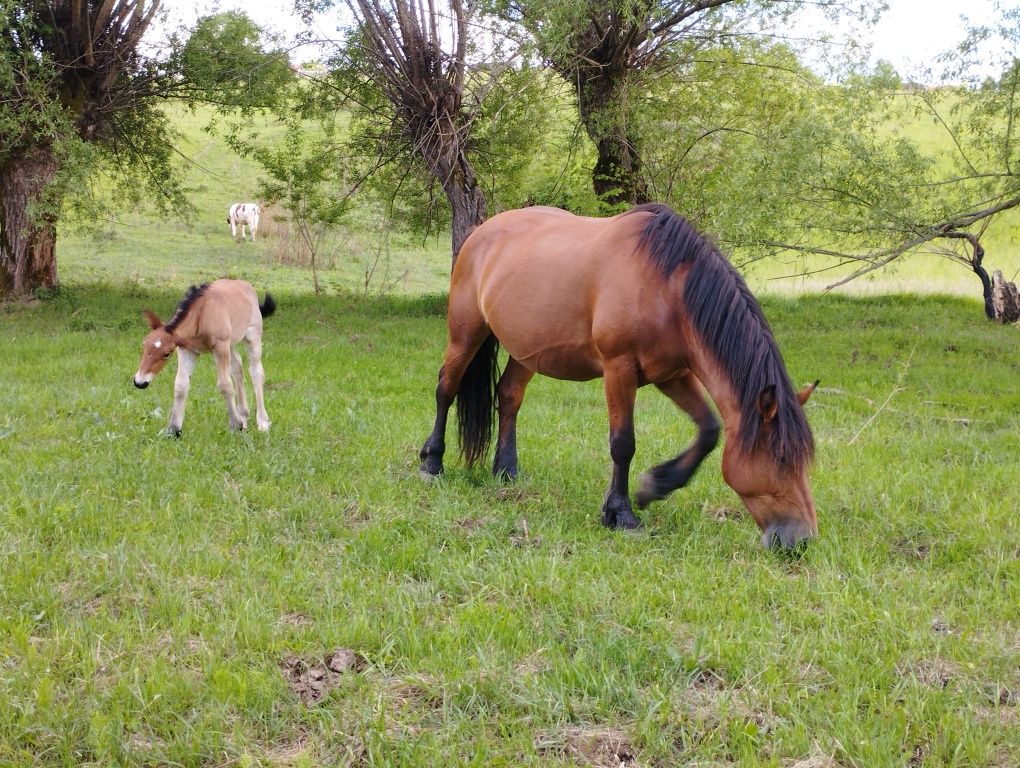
(475, 401)
(268, 306)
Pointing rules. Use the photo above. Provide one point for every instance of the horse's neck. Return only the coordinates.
(718, 385)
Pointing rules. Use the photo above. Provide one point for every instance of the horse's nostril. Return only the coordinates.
(141, 384)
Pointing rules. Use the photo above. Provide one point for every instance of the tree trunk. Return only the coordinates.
(1005, 299)
(27, 244)
(467, 200)
(616, 177)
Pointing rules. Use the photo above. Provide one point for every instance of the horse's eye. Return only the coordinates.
(166, 354)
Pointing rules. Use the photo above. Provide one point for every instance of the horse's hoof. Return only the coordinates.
(620, 520)
(264, 426)
(173, 432)
(505, 474)
(427, 476)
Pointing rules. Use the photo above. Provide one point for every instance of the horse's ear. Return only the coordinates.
(805, 393)
(152, 318)
(768, 404)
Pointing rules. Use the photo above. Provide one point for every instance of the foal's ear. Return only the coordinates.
(154, 321)
(767, 403)
(805, 393)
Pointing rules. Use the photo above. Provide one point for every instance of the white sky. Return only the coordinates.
(910, 34)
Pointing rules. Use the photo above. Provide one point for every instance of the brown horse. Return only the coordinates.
(640, 298)
(211, 318)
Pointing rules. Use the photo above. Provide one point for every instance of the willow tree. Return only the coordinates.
(612, 52)
(417, 58)
(72, 76)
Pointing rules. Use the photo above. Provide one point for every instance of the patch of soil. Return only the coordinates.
(590, 746)
(312, 680)
(933, 673)
(815, 761)
(418, 692)
(722, 513)
(297, 620)
(907, 547)
(522, 537)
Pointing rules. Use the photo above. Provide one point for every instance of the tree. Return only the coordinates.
(613, 52)
(878, 196)
(74, 89)
(417, 59)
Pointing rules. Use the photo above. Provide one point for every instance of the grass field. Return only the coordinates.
(301, 598)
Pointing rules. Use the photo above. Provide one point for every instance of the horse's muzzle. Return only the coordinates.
(788, 536)
(140, 384)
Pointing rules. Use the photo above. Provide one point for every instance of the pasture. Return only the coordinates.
(302, 598)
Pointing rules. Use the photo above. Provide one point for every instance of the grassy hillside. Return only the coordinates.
(136, 247)
(301, 598)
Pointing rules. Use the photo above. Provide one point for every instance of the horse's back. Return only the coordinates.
(561, 292)
(234, 307)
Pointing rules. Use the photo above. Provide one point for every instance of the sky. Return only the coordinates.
(909, 35)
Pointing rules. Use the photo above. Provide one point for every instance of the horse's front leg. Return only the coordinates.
(620, 380)
(660, 481)
(185, 366)
(510, 394)
(221, 353)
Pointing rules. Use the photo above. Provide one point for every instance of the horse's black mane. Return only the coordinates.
(193, 294)
(731, 324)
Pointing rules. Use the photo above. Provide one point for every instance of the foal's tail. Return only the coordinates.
(475, 401)
(268, 306)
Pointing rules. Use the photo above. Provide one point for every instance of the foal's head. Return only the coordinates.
(156, 349)
(774, 487)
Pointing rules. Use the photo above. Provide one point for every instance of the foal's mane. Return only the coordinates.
(730, 322)
(194, 293)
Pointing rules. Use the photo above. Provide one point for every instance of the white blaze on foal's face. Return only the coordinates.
(156, 350)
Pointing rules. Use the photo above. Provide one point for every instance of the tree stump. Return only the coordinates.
(1005, 299)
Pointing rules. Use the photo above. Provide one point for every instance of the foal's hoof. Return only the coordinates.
(174, 432)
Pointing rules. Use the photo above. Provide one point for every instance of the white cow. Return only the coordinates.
(241, 214)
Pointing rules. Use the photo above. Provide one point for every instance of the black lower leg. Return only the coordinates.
(660, 481)
(616, 509)
(431, 454)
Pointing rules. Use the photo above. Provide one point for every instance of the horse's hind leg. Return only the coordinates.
(258, 377)
(468, 331)
(620, 380)
(660, 481)
(240, 395)
(510, 393)
(221, 353)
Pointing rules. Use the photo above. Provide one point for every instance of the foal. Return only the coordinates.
(211, 318)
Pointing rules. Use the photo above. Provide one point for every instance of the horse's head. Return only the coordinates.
(774, 489)
(156, 350)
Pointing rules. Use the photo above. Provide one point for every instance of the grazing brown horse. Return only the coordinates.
(211, 318)
(640, 298)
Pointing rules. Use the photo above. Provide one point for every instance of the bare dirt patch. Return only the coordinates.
(814, 761)
(522, 537)
(933, 673)
(312, 680)
(589, 745)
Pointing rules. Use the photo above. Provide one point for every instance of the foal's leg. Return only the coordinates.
(221, 353)
(620, 380)
(660, 481)
(258, 378)
(510, 392)
(466, 336)
(241, 396)
(185, 365)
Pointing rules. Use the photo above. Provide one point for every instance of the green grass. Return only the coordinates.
(157, 592)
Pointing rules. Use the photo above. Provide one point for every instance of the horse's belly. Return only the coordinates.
(560, 362)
